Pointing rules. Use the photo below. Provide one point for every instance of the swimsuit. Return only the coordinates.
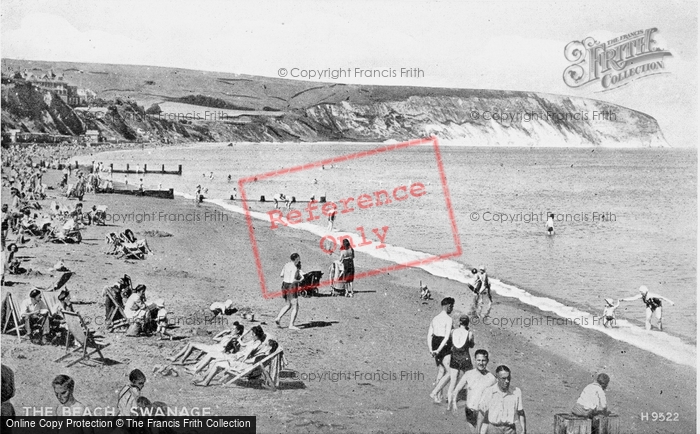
(446, 350)
(651, 303)
(460, 357)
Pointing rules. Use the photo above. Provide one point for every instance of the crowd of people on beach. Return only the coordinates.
(490, 400)
(36, 212)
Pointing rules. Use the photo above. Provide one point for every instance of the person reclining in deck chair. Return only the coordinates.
(120, 291)
(233, 346)
(139, 312)
(29, 226)
(129, 240)
(113, 244)
(69, 233)
(57, 321)
(98, 215)
(227, 341)
(256, 350)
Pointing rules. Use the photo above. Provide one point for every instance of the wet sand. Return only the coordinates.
(370, 349)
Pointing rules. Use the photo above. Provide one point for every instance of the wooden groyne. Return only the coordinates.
(145, 170)
(162, 194)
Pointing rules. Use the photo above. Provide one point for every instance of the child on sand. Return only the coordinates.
(609, 312)
(162, 321)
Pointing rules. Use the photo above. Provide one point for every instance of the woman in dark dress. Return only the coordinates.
(347, 257)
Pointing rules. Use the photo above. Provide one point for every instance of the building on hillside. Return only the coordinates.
(92, 136)
(50, 81)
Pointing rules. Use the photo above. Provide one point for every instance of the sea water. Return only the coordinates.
(623, 217)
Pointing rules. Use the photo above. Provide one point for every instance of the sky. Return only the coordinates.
(510, 45)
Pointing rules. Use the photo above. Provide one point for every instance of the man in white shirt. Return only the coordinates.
(592, 400)
(476, 381)
(35, 314)
(291, 277)
(439, 344)
(501, 407)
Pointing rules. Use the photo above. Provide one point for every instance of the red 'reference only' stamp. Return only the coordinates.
(379, 198)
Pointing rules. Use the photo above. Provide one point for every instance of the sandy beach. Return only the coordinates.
(357, 365)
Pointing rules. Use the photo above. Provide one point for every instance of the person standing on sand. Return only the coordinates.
(592, 400)
(347, 257)
(291, 277)
(484, 288)
(652, 301)
(439, 344)
(550, 223)
(460, 360)
(476, 381)
(501, 407)
(609, 312)
(331, 219)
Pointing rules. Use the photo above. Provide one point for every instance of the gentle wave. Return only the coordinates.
(659, 343)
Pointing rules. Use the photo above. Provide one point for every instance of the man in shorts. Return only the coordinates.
(291, 277)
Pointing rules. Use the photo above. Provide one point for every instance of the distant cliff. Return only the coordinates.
(275, 110)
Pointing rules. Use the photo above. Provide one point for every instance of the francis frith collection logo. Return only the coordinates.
(614, 63)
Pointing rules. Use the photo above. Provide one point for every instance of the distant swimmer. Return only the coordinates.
(550, 223)
(652, 301)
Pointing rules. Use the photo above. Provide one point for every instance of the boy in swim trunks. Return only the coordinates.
(609, 312)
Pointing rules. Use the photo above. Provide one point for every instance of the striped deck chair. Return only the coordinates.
(83, 337)
(270, 367)
(51, 301)
(11, 320)
(118, 324)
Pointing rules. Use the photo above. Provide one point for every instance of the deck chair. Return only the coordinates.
(116, 308)
(58, 283)
(51, 301)
(270, 366)
(83, 337)
(127, 253)
(99, 217)
(11, 320)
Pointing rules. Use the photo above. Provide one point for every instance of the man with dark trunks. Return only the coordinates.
(439, 344)
(291, 277)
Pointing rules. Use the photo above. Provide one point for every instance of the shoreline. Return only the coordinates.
(382, 329)
(679, 349)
